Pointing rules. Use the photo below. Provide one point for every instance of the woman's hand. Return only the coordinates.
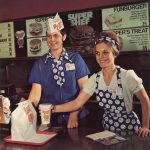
(143, 132)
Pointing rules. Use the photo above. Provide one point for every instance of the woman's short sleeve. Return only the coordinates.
(90, 86)
(134, 82)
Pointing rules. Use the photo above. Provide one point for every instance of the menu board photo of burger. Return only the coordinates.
(36, 37)
(35, 29)
(81, 31)
(81, 38)
(37, 46)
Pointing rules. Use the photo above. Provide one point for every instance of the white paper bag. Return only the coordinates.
(23, 121)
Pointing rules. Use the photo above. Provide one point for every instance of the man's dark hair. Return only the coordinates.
(63, 32)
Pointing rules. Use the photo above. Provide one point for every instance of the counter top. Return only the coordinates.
(74, 139)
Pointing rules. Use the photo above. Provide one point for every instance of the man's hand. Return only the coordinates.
(73, 120)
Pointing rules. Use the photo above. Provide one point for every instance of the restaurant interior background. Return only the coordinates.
(14, 71)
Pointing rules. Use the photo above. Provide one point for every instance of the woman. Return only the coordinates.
(114, 88)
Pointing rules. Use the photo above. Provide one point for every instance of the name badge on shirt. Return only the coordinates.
(70, 66)
(119, 91)
(113, 90)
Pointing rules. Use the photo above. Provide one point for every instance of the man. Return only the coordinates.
(58, 76)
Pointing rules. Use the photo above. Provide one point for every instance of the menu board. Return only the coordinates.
(131, 23)
(7, 44)
(36, 37)
(81, 27)
(27, 37)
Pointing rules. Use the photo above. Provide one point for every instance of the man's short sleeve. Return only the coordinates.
(81, 67)
(35, 74)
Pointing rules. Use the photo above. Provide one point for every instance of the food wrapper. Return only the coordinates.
(23, 121)
(5, 113)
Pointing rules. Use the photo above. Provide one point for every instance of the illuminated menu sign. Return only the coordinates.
(131, 23)
(36, 37)
(82, 31)
(27, 37)
(7, 44)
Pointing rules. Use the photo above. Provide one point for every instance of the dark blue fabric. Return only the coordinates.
(42, 73)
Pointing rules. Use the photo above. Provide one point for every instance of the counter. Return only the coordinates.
(74, 139)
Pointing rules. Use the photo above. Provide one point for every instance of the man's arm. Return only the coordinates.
(35, 94)
(73, 117)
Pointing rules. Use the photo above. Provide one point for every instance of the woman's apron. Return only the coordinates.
(115, 117)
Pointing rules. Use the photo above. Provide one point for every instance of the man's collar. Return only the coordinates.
(64, 55)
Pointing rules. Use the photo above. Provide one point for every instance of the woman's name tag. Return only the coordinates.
(119, 91)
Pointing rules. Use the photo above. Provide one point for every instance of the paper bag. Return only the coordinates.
(5, 113)
(23, 122)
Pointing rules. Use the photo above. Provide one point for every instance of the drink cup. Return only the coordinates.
(45, 113)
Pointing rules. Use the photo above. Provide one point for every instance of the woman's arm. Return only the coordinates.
(145, 105)
(35, 94)
(73, 105)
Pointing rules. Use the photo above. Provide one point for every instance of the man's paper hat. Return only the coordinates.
(54, 24)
